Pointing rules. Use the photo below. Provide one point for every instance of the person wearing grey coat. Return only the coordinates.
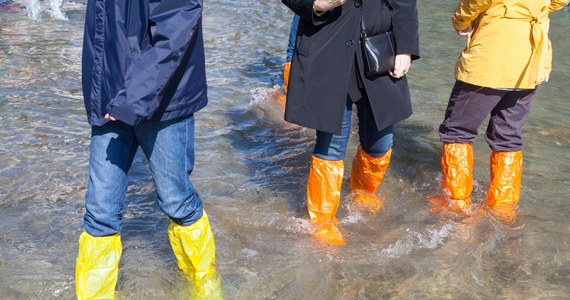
(327, 77)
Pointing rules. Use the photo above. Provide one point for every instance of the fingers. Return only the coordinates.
(401, 65)
(109, 117)
(324, 5)
(465, 32)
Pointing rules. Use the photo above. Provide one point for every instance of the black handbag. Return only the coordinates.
(379, 52)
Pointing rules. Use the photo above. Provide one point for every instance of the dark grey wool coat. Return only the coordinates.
(325, 51)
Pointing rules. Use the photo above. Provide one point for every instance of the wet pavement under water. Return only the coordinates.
(251, 169)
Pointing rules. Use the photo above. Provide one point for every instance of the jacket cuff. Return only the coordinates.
(459, 22)
(124, 114)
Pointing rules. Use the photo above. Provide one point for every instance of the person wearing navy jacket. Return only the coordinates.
(327, 77)
(143, 77)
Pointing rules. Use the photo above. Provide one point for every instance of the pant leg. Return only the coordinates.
(373, 141)
(113, 147)
(468, 107)
(169, 147)
(331, 146)
(504, 132)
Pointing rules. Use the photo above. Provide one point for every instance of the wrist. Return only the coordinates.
(316, 10)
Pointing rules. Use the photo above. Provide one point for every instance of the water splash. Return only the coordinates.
(55, 9)
(430, 239)
(264, 97)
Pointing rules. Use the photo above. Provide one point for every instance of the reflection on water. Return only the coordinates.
(251, 170)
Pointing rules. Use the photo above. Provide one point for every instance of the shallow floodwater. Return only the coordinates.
(251, 169)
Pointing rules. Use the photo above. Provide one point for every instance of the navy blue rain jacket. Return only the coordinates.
(143, 60)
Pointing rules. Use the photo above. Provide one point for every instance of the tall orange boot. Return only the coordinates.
(457, 169)
(286, 70)
(505, 187)
(366, 175)
(323, 197)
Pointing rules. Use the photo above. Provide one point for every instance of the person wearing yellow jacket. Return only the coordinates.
(507, 57)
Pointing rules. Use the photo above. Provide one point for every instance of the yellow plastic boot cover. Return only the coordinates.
(97, 266)
(366, 175)
(457, 169)
(323, 197)
(195, 250)
(504, 190)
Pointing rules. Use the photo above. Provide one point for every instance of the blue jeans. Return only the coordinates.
(169, 148)
(292, 38)
(375, 143)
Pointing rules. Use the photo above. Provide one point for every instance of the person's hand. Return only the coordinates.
(109, 117)
(321, 6)
(401, 66)
(465, 32)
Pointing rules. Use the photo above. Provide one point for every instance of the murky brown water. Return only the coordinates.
(251, 170)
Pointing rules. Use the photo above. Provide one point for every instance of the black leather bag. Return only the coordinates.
(378, 52)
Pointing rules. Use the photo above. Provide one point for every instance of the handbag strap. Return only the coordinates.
(362, 27)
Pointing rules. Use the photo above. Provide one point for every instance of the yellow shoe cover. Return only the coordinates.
(323, 189)
(505, 187)
(97, 266)
(457, 169)
(195, 250)
(329, 234)
(366, 175)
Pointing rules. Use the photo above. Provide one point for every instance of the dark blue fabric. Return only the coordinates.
(375, 143)
(292, 36)
(143, 60)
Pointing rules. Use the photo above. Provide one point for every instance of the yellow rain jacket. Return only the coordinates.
(509, 45)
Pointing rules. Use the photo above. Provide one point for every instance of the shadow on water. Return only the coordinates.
(276, 152)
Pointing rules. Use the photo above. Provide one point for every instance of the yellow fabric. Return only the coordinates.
(97, 266)
(457, 170)
(509, 45)
(505, 187)
(323, 189)
(366, 175)
(195, 251)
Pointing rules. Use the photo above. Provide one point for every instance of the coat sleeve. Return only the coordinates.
(557, 5)
(467, 11)
(174, 30)
(405, 27)
(304, 8)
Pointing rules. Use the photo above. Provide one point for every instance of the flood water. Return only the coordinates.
(251, 169)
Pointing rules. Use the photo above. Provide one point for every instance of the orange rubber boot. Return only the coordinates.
(366, 175)
(323, 197)
(505, 187)
(457, 169)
